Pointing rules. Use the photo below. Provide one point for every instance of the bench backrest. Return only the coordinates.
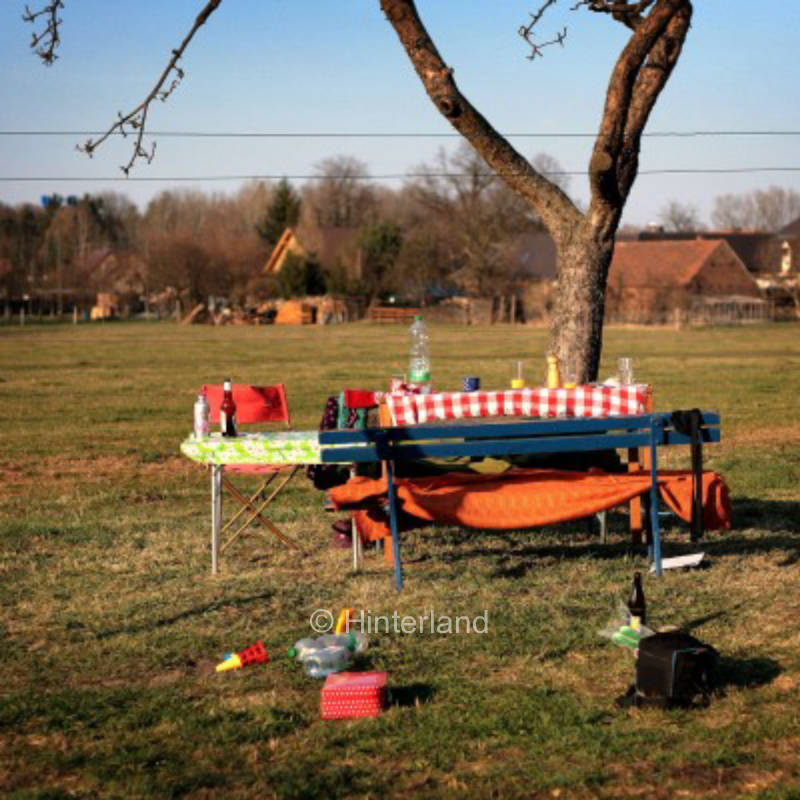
(510, 438)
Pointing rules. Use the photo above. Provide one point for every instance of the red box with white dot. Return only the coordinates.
(347, 695)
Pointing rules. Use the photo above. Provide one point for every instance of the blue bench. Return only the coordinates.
(396, 444)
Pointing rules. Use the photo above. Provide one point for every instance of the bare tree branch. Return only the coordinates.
(45, 42)
(135, 121)
(628, 13)
(639, 75)
(526, 32)
(551, 204)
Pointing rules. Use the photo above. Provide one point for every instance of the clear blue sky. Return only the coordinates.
(322, 66)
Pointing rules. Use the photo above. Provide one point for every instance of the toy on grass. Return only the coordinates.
(255, 654)
(343, 623)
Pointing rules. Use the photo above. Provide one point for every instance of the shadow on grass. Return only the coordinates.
(746, 673)
(771, 515)
(781, 518)
(415, 694)
(161, 622)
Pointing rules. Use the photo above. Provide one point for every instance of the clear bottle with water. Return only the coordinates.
(419, 365)
(325, 661)
(330, 653)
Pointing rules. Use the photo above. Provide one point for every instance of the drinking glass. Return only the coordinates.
(517, 380)
(625, 371)
(571, 372)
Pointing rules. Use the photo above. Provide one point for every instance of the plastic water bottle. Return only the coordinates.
(329, 653)
(326, 660)
(419, 365)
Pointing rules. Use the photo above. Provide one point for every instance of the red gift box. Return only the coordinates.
(346, 695)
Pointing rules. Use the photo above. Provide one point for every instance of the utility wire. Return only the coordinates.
(393, 135)
(394, 176)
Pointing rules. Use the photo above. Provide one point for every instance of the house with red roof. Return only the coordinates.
(651, 281)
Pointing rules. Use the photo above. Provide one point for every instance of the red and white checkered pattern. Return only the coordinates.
(583, 401)
(346, 695)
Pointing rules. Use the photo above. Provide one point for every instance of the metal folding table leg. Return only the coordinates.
(216, 514)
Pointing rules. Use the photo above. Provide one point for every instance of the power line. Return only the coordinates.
(390, 176)
(394, 135)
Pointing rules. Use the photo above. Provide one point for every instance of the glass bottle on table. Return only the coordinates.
(553, 372)
(227, 410)
(419, 364)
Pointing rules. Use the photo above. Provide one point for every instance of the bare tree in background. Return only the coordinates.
(680, 217)
(584, 240)
(477, 215)
(764, 209)
(340, 195)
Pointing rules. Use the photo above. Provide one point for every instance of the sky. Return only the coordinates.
(317, 67)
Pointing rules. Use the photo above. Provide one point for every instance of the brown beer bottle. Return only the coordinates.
(227, 410)
(636, 602)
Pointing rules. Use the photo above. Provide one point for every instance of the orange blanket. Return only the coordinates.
(528, 498)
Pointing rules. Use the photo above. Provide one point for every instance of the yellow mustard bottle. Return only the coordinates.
(553, 373)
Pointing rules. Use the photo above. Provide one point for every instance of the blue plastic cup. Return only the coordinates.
(471, 383)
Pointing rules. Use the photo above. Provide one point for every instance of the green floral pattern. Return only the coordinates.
(284, 447)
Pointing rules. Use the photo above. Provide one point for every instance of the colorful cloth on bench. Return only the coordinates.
(529, 498)
(582, 401)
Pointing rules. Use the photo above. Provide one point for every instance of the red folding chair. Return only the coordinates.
(254, 404)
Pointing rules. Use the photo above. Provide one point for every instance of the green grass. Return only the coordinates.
(111, 623)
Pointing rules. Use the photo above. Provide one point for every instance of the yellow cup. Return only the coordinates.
(518, 383)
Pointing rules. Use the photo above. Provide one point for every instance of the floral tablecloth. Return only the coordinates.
(279, 447)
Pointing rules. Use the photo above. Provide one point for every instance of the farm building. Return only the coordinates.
(652, 281)
(334, 248)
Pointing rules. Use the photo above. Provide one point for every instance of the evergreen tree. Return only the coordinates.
(283, 212)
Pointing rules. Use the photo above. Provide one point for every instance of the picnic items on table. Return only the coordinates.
(263, 455)
(517, 379)
(553, 372)
(202, 413)
(348, 695)
(407, 408)
(227, 410)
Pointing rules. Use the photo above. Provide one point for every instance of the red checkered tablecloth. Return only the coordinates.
(583, 401)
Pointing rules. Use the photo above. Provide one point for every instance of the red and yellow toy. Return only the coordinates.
(255, 654)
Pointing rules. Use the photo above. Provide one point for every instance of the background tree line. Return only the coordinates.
(453, 227)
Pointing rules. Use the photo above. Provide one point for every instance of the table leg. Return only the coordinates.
(216, 514)
(398, 569)
(655, 531)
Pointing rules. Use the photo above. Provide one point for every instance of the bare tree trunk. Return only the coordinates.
(576, 328)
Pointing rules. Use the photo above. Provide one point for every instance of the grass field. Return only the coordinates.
(111, 623)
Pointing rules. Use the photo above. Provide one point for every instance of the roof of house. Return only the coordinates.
(329, 244)
(651, 264)
(792, 229)
(758, 250)
(287, 243)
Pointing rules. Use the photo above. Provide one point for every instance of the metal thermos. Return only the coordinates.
(202, 412)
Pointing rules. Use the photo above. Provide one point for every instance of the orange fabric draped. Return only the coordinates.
(528, 498)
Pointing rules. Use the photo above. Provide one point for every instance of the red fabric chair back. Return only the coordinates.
(253, 403)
